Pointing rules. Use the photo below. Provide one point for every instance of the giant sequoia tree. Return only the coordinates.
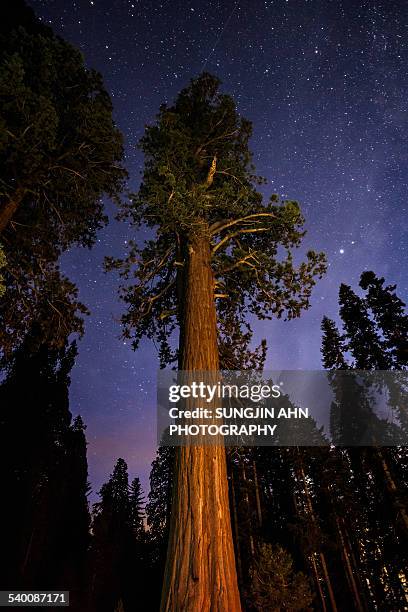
(60, 152)
(216, 250)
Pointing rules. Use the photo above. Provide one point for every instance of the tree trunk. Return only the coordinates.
(200, 572)
(348, 568)
(353, 548)
(321, 553)
(8, 209)
(235, 525)
(328, 582)
(317, 581)
(257, 496)
(248, 509)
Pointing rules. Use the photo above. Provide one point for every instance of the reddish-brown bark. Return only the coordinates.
(8, 209)
(200, 571)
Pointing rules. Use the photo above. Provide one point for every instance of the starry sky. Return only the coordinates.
(325, 84)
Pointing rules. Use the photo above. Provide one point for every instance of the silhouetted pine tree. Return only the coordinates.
(374, 333)
(44, 471)
(118, 552)
(389, 313)
(158, 510)
(363, 340)
(332, 346)
(137, 506)
(159, 501)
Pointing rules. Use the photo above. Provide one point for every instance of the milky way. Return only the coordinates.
(325, 84)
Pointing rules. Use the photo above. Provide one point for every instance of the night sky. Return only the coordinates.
(325, 84)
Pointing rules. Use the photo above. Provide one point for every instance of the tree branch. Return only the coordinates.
(156, 297)
(153, 271)
(230, 174)
(243, 261)
(68, 170)
(234, 234)
(168, 313)
(211, 172)
(205, 144)
(219, 226)
(8, 209)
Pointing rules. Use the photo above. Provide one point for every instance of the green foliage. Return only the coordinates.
(274, 584)
(60, 152)
(235, 346)
(49, 298)
(179, 150)
(199, 181)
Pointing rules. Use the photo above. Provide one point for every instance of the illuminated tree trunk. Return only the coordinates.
(8, 209)
(200, 572)
(317, 581)
(321, 553)
(349, 570)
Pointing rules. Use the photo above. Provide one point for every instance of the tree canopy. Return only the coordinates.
(60, 152)
(199, 180)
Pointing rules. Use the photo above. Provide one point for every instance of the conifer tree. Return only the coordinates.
(390, 315)
(137, 506)
(44, 471)
(217, 249)
(274, 585)
(120, 570)
(159, 500)
(332, 346)
(363, 340)
(60, 153)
